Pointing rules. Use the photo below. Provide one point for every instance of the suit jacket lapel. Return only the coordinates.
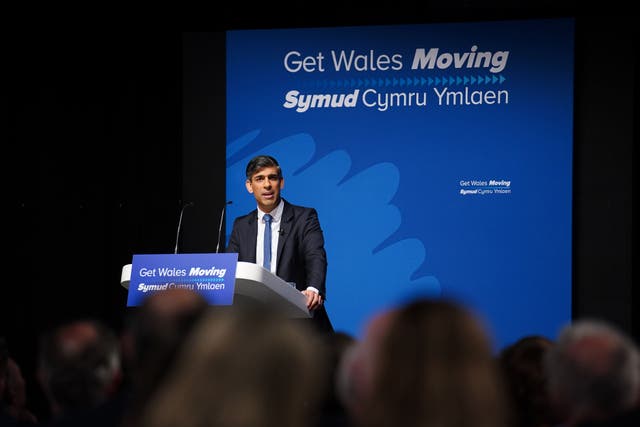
(252, 223)
(286, 223)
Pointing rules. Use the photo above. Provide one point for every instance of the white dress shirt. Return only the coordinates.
(276, 215)
(275, 235)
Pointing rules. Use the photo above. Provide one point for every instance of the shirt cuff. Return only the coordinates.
(311, 288)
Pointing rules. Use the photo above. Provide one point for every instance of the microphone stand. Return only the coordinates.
(224, 208)
(186, 205)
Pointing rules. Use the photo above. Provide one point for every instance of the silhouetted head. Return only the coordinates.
(428, 362)
(594, 370)
(79, 365)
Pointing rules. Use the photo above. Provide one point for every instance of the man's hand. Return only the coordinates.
(314, 299)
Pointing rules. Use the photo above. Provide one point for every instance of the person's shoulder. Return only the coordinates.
(291, 211)
(297, 208)
(246, 217)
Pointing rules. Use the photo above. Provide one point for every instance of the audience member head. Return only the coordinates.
(332, 411)
(79, 365)
(5, 417)
(153, 337)
(593, 371)
(355, 371)
(522, 365)
(337, 345)
(429, 362)
(15, 395)
(242, 368)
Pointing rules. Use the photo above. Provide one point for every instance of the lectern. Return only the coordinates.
(254, 284)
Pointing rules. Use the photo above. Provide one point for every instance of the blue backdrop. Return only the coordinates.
(438, 156)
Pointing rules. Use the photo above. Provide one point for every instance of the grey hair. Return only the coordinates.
(595, 367)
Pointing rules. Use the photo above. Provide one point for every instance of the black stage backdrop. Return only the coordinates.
(105, 136)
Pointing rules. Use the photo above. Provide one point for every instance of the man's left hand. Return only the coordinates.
(314, 299)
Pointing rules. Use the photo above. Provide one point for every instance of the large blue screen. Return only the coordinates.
(438, 156)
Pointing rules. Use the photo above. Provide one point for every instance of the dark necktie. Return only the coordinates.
(267, 241)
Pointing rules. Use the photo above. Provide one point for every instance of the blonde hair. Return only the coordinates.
(242, 368)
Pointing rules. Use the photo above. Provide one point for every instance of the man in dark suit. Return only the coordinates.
(296, 252)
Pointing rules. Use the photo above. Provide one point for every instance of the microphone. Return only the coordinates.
(186, 205)
(224, 208)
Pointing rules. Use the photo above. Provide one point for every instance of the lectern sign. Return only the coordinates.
(211, 275)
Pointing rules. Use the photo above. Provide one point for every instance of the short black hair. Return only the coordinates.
(260, 162)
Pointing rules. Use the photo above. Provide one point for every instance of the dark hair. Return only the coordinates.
(79, 376)
(522, 364)
(260, 162)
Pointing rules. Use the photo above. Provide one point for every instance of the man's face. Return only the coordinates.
(265, 185)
